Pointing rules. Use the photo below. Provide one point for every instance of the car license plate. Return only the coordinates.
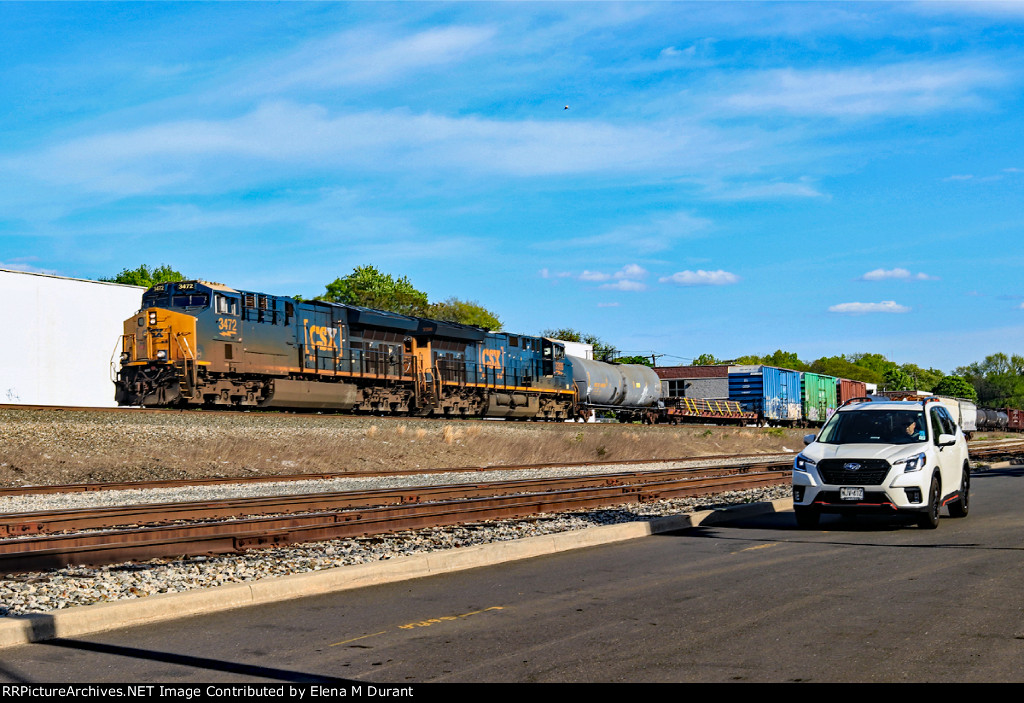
(846, 493)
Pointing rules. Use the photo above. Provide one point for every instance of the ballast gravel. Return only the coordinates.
(74, 586)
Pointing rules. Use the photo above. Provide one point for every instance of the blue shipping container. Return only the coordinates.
(771, 391)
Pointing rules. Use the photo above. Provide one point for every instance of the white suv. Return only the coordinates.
(890, 457)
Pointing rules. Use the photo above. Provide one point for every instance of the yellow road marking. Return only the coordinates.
(357, 638)
(760, 546)
(421, 623)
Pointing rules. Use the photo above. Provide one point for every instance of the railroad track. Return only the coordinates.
(338, 515)
(30, 541)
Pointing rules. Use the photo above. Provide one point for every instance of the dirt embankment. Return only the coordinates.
(51, 447)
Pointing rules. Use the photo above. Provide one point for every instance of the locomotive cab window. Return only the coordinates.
(227, 305)
(198, 300)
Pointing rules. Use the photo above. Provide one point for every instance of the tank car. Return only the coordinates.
(631, 391)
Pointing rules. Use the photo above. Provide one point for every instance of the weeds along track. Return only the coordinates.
(217, 528)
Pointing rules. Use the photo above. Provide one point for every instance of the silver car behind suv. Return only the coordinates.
(891, 457)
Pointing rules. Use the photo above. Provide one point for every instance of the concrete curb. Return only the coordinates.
(86, 619)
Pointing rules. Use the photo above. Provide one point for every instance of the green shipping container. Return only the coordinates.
(818, 393)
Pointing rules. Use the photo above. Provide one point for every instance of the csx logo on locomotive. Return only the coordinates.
(322, 336)
(492, 358)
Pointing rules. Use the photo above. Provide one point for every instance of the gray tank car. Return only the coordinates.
(630, 390)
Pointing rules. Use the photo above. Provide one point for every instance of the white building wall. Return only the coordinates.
(60, 335)
(577, 349)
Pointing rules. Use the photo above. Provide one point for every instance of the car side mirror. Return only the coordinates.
(808, 438)
(947, 440)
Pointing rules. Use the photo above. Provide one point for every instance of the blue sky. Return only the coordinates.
(728, 178)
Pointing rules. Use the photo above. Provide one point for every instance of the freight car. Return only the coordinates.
(770, 395)
(1002, 419)
(199, 344)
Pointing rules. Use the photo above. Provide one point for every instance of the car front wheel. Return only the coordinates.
(929, 519)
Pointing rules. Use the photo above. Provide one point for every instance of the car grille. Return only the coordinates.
(871, 472)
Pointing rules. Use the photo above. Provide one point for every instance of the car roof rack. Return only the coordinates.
(862, 399)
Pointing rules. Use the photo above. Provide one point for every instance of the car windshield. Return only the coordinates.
(875, 427)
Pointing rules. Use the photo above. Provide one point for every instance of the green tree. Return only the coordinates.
(779, 358)
(842, 367)
(998, 380)
(747, 359)
(924, 379)
(464, 312)
(785, 360)
(896, 379)
(368, 287)
(873, 362)
(146, 277)
(706, 360)
(642, 360)
(955, 387)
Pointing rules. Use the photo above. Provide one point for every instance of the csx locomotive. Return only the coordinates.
(195, 343)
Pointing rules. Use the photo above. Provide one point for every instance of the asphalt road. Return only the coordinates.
(756, 600)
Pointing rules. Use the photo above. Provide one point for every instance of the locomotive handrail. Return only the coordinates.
(113, 355)
(187, 356)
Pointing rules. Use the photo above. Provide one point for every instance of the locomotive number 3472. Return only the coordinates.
(228, 327)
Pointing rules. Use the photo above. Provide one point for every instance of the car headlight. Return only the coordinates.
(912, 463)
(802, 463)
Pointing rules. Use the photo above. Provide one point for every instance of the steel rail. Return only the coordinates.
(51, 521)
(287, 478)
(36, 553)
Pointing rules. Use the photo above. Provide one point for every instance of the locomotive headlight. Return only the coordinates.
(912, 463)
(152, 318)
(161, 355)
(125, 357)
(802, 463)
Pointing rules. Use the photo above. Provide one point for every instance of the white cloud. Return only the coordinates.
(625, 277)
(625, 284)
(657, 234)
(366, 56)
(765, 191)
(26, 268)
(862, 308)
(905, 88)
(281, 137)
(701, 278)
(899, 274)
(631, 271)
(608, 305)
